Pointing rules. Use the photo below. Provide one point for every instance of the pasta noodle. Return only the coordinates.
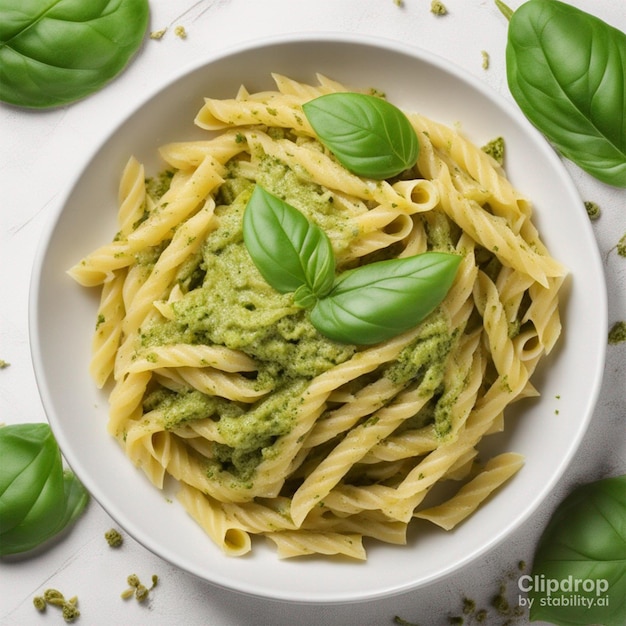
(222, 384)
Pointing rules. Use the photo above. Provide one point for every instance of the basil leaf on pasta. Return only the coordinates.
(369, 136)
(290, 252)
(376, 302)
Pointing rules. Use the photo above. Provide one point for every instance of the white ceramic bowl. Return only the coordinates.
(547, 431)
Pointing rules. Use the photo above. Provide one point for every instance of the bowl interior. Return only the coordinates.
(546, 430)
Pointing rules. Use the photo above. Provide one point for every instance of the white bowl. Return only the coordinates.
(547, 431)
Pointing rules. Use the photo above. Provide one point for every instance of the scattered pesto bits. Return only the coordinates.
(137, 589)
(114, 538)
(158, 34)
(499, 611)
(617, 334)
(438, 8)
(53, 597)
(593, 210)
(495, 149)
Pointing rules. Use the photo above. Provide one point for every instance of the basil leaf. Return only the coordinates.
(290, 252)
(582, 555)
(53, 52)
(368, 135)
(376, 302)
(38, 498)
(566, 70)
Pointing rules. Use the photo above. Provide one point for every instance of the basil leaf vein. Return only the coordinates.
(368, 135)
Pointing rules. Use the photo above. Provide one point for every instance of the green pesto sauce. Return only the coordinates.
(235, 306)
(495, 149)
(227, 302)
(178, 408)
(157, 186)
(250, 437)
(313, 201)
(424, 361)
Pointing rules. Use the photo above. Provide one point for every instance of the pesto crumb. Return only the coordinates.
(158, 34)
(469, 606)
(402, 622)
(495, 149)
(438, 8)
(485, 56)
(4, 364)
(593, 210)
(617, 334)
(621, 246)
(53, 597)
(180, 31)
(137, 589)
(114, 538)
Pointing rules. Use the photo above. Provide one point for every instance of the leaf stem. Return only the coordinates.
(504, 9)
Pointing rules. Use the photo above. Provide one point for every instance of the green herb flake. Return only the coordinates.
(621, 246)
(495, 149)
(114, 538)
(617, 333)
(438, 8)
(593, 210)
(53, 597)
(137, 589)
(402, 622)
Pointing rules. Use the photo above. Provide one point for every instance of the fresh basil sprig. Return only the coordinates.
(362, 306)
(38, 498)
(53, 52)
(566, 70)
(583, 550)
(368, 135)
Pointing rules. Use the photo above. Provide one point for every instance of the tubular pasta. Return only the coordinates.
(220, 384)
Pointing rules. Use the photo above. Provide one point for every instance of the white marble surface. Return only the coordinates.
(40, 152)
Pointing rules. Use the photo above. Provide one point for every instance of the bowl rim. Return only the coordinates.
(46, 239)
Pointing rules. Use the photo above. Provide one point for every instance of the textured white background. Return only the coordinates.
(40, 153)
